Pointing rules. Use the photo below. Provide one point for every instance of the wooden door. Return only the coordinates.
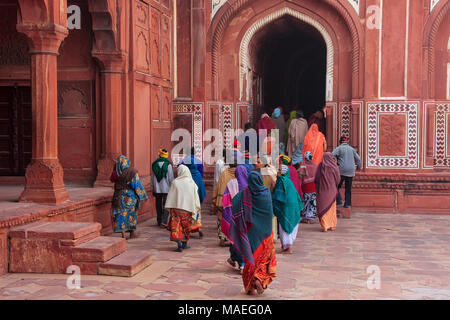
(15, 130)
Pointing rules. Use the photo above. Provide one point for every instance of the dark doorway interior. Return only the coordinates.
(290, 57)
(15, 130)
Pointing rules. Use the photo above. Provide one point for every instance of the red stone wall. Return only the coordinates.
(151, 75)
(389, 85)
(77, 106)
(389, 91)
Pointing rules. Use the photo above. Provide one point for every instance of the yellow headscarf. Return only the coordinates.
(162, 153)
(293, 115)
(284, 159)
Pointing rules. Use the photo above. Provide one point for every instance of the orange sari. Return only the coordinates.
(265, 266)
(329, 219)
(316, 143)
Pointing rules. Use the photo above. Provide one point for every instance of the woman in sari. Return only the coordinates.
(293, 174)
(269, 173)
(287, 206)
(219, 168)
(266, 123)
(327, 181)
(233, 188)
(196, 168)
(251, 233)
(309, 212)
(219, 191)
(184, 205)
(316, 143)
(128, 195)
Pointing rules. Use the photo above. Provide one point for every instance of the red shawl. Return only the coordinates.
(295, 180)
(266, 123)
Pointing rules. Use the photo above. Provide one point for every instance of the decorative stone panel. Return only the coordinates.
(195, 113)
(226, 124)
(345, 119)
(392, 136)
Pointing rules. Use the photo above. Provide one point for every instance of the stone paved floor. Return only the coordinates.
(412, 251)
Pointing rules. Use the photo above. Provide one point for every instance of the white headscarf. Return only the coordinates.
(183, 193)
(268, 169)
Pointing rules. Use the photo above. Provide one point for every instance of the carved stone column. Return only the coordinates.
(111, 101)
(44, 175)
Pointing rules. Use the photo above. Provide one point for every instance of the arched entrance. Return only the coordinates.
(297, 54)
(291, 57)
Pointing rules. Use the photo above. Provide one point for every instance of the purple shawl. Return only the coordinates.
(227, 213)
(327, 181)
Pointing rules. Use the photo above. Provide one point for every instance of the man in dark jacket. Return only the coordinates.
(347, 159)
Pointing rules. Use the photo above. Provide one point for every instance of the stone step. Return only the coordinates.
(62, 230)
(127, 264)
(100, 249)
(73, 243)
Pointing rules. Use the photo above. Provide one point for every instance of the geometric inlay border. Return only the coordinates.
(345, 119)
(442, 113)
(226, 123)
(411, 160)
(197, 110)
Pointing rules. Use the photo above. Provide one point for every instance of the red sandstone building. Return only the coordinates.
(71, 101)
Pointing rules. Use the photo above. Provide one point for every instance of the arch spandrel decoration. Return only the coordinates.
(433, 4)
(244, 60)
(215, 6)
(356, 4)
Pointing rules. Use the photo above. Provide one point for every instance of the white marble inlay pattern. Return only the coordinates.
(215, 6)
(356, 4)
(433, 4)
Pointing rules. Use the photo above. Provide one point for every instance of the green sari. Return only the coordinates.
(287, 203)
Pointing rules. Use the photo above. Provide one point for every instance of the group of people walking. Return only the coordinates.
(257, 199)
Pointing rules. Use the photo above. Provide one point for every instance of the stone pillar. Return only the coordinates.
(44, 175)
(111, 101)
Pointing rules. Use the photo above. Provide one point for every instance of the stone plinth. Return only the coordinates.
(37, 248)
